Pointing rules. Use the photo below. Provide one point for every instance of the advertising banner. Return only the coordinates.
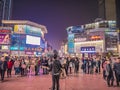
(111, 39)
(75, 29)
(20, 29)
(4, 39)
(18, 42)
(87, 49)
(29, 53)
(33, 30)
(71, 43)
(5, 31)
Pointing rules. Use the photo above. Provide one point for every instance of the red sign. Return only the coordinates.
(96, 37)
(5, 31)
(29, 53)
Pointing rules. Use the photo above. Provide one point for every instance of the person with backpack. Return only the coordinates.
(55, 68)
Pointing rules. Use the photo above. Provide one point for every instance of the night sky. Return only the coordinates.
(56, 15)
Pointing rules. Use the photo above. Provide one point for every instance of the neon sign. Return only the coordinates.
(5, 31)
(95, 37)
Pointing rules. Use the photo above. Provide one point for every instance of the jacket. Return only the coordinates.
(116, 68)
(55, 67)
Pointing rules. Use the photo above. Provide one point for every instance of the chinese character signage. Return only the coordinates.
(71, 43)
(87, 49)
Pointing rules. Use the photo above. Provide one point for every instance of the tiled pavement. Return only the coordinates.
(43, 82)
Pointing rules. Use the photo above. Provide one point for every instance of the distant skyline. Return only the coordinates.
(56, 15)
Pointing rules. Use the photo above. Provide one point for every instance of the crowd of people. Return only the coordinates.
(25, 66)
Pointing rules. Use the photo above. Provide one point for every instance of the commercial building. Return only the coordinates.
(107, 9)
(118, 19)
(93, 39)
(5, 10)
(25, 37)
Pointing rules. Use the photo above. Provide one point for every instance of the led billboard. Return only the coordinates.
(33, 40)
(18, 42)
(4, 39)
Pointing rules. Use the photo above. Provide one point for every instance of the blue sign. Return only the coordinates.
(75, 29)
(42, 43)
(18, 42)
(71, 43)
(33, 30)
(87, 49)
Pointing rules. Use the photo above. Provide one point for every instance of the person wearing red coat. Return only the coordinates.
(9, 67)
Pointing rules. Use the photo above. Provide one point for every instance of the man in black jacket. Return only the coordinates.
(56, 69)
(116, 68)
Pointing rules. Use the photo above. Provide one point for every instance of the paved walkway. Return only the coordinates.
(43, 82)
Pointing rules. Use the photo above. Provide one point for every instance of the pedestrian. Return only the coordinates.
(3, 67)
(17, 66)
(76, 62)
(104, 68)
(9, 67)
(109, 74)
(116, 68)
(23, 67)
(55, 67)
(67, 65)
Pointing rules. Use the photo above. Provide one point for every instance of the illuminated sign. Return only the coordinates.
(75, 29)
(87, 49)
(95, 37)
(32, 40)
(112, 25)
(4, 39)
(80, 39)
(17, 48)
(5, 31)
(29, 53)
(71, 43)
(19, 29)
(5, 47)
(111, 49)
(18, 42)
(33, 30)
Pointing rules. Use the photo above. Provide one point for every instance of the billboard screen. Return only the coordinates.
(33, 30)
(33, 40)
(75, 29)
(111, 39)
(20, 29)
(4, 39)
(26, 29)
(18, 42)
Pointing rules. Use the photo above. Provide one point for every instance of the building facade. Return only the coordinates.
(107, 9)
(93, 39)
(25, 37)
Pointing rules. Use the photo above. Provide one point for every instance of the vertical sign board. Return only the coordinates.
(71, 43)
(111, 37)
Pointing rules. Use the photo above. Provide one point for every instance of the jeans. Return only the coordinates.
(2, 73)
(9, 70)
(55, 82)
